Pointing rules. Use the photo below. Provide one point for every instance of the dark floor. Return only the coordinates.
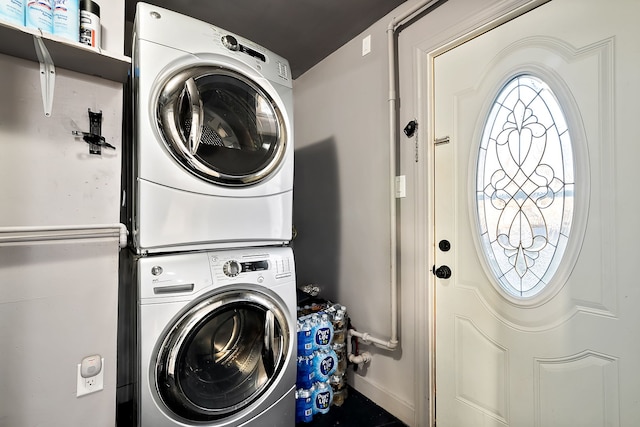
(356, 411)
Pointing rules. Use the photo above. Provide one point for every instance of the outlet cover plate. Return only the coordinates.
(89, 385)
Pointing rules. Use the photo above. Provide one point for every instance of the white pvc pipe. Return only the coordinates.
(392, 343)
(364, 357)
(367, 338)
(16, 235)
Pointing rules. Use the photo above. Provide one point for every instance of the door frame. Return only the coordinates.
(425, 186)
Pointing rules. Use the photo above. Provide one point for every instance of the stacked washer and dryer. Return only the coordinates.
(212, 187)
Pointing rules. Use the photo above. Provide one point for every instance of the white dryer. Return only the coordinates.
(216, 336)
(213, 137)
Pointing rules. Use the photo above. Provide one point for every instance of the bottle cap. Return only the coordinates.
(90, 6)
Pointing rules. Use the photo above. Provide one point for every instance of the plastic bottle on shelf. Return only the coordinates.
(12, 11)
(90, 29)
(66, 19)
(39, 14)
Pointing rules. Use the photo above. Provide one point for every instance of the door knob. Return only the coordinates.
(442, 272)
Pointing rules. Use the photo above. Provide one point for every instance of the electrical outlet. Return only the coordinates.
(89, 384)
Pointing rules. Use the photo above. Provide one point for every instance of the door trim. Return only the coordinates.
(425, 329)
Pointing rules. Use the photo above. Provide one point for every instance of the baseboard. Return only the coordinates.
(384, 398)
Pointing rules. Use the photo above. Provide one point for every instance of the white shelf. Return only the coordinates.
(18, 41)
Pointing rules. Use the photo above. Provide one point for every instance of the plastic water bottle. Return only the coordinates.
(306, 374)
(322, 398)
(305, 340)
(341, 354)
(339, 385)
(304, 405)
(339, 322)
(323, 332)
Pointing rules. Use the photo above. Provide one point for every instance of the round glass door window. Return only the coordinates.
(222, 355)
(221, 126)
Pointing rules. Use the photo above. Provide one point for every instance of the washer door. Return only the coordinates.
(221, 126)
(222, 355)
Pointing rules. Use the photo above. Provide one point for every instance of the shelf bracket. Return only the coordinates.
(47, 74)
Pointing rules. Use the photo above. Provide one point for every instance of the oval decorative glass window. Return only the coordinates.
(525, 186)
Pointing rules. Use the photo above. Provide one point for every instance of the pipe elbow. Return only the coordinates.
(360, 359)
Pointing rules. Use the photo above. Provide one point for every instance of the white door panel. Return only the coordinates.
(563, 357)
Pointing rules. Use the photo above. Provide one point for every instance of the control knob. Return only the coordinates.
(231, 268)
(230, 42)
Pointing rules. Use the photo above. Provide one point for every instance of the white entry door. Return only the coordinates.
(536, 197)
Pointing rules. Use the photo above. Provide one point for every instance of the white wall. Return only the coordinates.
(59, 304)
(112, 25)
(59, 299)
(47, 176)
(341, 193)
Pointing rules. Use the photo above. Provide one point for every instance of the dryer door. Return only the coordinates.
(221, 126)
(222, 355)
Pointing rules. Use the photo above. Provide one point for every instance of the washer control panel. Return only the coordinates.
(251, 267)
(232, 268)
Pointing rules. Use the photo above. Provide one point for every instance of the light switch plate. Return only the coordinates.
(401, 186)
(366, 45)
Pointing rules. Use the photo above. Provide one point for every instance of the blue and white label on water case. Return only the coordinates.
(322, 398)
(66, 19)
(12, 11)
(39, 14)
(325, 363)
(323, 332)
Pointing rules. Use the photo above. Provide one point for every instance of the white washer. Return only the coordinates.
(227, 181)
(216, 336)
